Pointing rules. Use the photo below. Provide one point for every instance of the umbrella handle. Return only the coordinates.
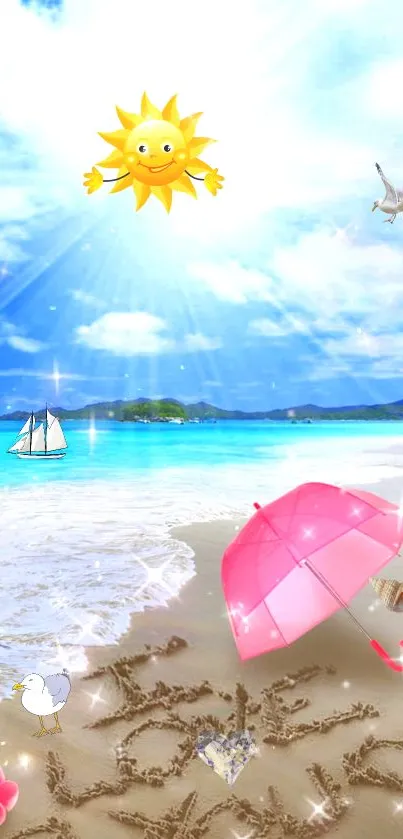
(394, 665)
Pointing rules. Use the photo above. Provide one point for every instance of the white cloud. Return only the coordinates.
(20, 372)
(320, 283)
(29, 345)
(139, 333)
(332, 277)
(81, 296)
(232, 282)
(10, 237)
(14, 338)
(198, 343)
(267, 328)
(127, 334)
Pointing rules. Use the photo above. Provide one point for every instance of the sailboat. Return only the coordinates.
(40, 442)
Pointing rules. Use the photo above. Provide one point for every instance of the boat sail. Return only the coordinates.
(28, 426)
(43, 442)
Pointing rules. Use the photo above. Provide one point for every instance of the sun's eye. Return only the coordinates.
(167, 147)
(142, 148)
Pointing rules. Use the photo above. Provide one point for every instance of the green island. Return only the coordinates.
(171, 410)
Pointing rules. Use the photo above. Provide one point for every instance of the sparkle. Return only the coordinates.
(52, 308)
(95, 698)
(346, 685)
(87, 629)
(154, 576)
(4, 271)
(182, 367)
(3, 743)
(308, 533)
(24, 761)
(245, 835)
(86, 247)
(318, 810)
(73, 659)
(56, 376)
(398, 807)
(92, 432)
(356, 511)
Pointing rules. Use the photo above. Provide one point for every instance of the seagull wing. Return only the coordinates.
(391, 194)
(58, 686)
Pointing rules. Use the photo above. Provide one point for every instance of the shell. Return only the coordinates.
(389, 591)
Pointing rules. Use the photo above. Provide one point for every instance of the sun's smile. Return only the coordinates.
(157, 168)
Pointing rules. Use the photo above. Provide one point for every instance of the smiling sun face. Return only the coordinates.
(154, 151)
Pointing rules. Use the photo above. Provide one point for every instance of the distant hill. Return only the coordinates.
(128, 409)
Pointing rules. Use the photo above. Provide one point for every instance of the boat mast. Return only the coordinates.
(30, 432)
(46, 428)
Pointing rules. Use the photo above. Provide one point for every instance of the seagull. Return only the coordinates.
(393, 201)
(44, 697)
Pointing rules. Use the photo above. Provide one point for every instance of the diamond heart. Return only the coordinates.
(226, 755)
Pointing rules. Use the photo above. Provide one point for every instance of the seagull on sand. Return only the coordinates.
(44, 697)
(393, 201)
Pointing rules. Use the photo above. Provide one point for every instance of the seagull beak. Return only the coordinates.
(18, 686)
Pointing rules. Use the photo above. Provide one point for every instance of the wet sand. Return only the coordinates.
(325, 714)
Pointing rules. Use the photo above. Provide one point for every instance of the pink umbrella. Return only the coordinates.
(300, 559)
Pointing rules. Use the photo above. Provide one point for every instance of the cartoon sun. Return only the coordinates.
(156, 152)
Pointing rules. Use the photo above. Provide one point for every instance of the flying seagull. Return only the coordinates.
(44, 697)
(393, 201)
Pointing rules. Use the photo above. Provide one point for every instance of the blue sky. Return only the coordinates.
(285, 288)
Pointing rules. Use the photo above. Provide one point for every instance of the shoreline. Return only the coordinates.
(77, 777)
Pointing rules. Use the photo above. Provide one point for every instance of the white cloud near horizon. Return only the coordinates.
(139, 333)
(17, 340)
(20, 372)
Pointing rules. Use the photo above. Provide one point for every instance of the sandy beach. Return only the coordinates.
(325, 714)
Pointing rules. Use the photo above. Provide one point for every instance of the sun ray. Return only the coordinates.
(196, 166)
(142, 193)
(124, 183)
(184, 184)
(188, 126)
(198, 144)
(171, 113)
(128, 120)
(148, 110)
(164, 194)
(115, 138)
(113, 161)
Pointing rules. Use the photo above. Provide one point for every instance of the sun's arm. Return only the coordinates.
(109, 180)
(93, 180)
(212, 180)
(196, 167)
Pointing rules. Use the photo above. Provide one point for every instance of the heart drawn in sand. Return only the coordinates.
(226, 755)
(9, 793)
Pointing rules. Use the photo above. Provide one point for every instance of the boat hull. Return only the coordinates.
(27, 456)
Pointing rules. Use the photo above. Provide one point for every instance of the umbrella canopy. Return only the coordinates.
(300, 559)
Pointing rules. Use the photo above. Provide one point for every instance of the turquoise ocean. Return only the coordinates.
(86, 541)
